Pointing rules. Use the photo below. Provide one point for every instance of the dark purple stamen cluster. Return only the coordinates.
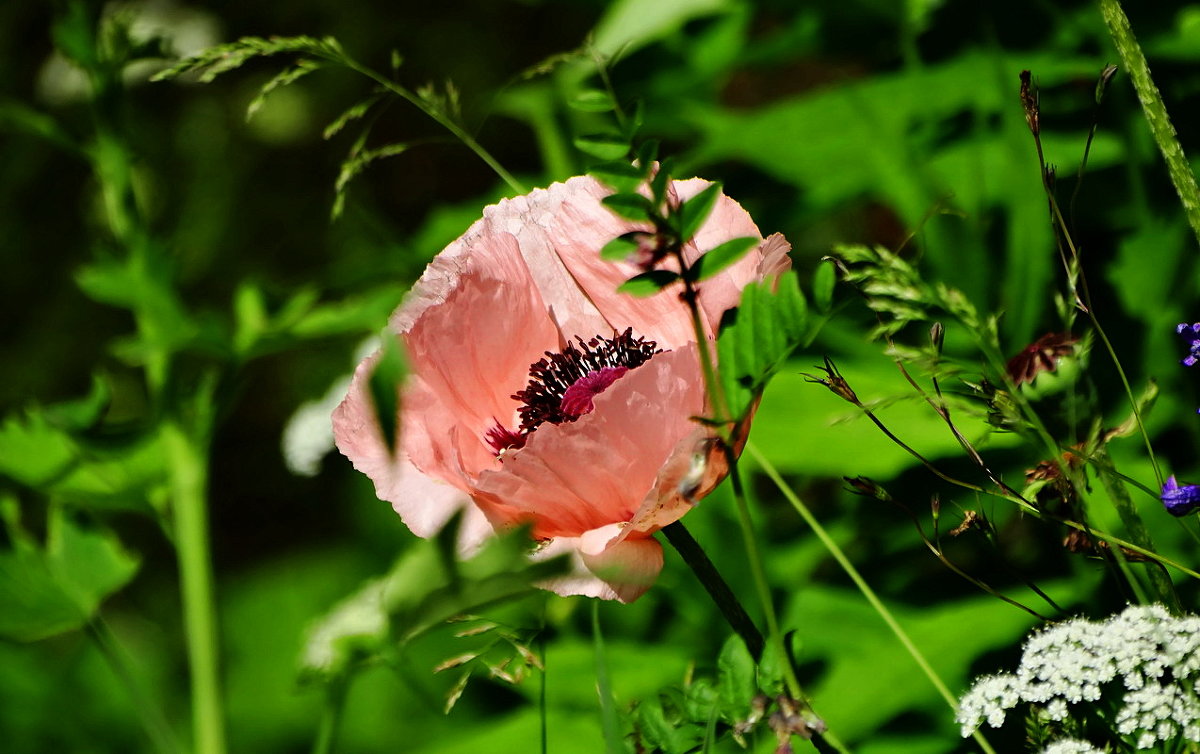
(1192, 334)
(562, 385)
(551, 377)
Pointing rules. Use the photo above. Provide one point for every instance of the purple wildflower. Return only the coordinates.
(1180, 500)
(1192, 334)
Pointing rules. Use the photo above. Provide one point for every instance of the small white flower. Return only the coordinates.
(1144, 659)
(1071, 746)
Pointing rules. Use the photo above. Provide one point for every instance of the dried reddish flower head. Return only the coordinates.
(539, 394)
(1042, 355)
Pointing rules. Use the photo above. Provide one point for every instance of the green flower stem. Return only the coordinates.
(720, 406)
(862, 585)
(189, 481)
(1164, 592)
(149, 713)
(331, 716)
(1154, 109)
(716, 586)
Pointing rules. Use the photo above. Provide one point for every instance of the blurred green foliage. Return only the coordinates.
(832, 122)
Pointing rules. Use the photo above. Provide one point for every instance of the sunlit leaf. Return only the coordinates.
(767, 326)
(603, 146)
(721, 256)
(620, 248)
(629, 205)
(622, 176)
(824, 279)
(736, 676)
(693, 212)
(592, 101)
(648, 283)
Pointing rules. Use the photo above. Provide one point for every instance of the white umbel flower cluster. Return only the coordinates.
(1071, 746)
(1144, 657)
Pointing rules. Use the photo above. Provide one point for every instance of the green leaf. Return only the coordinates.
(357, 314)
(630, 206)
(15, 116)
(131, 476)
(58, 589)
(592, 101)
(250, 317)
(603, 146)
(660, 182)
(620, 248)
(721, 256)
(385, 381)
(768, 325)
(648, 283)
(693, 212)
(658, 731)
(824, 279)
(622, 176)
(627, 25)
(32, 450)
(772, 670)
(647, 154)
(736, 678)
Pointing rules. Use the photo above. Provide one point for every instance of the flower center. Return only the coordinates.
(562, 385)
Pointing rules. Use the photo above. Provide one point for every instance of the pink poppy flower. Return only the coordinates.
(537, 393)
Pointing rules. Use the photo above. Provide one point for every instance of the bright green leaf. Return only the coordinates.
(693, 212)
(767, 326)
(722, 256)
(736, 678)
(824, 279)
(603, 146)
(648, 283)
(592, 101)
(629, 205)
(620, 248)
(622, 176)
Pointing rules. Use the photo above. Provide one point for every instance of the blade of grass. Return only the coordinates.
(867, 592)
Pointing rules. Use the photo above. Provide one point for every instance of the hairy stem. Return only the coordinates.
(716, 586)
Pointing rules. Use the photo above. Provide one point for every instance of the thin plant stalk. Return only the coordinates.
(149, 714)
(610, 722)
(1155, 111)
(868, 593)
(720, 406)
(446, 122)
(189, 482)
(186, 451)
(823, 741)
(331, 716)
(716, 586)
